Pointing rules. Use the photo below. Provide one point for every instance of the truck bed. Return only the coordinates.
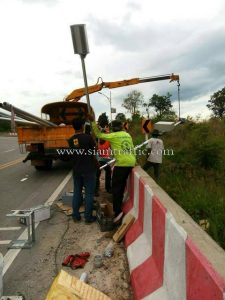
(51, 137)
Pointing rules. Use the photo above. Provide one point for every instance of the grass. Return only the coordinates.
(201, 199)
(195, 175)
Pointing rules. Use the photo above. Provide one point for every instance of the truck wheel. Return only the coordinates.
(39, 168)
(46, 166)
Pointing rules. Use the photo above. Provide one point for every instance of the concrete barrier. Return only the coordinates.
(169, 255)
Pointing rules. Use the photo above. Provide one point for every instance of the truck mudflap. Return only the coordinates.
(37, 156)
(39, 161)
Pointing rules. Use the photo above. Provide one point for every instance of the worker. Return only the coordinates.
(123, 152)
(84, 171)
(155, 150)
(104, 156)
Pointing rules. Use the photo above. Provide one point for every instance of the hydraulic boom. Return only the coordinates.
(78, 93)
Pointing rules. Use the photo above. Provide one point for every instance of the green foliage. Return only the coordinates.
(194, 176)
(120, 117)
(136, 117)
(5, 126)
(217, 103)
(133, 101)
(161, 104)
(201, 200)
(103, 120)
(208, 149)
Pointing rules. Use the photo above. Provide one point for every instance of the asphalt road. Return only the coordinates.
(30, 272)
(22, 187)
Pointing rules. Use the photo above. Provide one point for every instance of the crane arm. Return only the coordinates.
(78, 93)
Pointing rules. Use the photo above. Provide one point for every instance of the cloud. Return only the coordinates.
(128, 39)
(47, 3)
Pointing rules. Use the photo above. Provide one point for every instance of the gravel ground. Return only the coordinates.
(113, 277)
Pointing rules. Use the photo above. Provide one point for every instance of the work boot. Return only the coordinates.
(91, 220)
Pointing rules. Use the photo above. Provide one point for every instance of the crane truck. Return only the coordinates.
(43, 137)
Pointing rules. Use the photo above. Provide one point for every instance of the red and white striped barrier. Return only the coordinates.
(164, 261)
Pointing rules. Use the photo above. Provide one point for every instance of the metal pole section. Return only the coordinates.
(110, 103)
(19, 121)
(146, 136)
(25, 115)
(113, 160)
(85, 83)
(33, 226)
(178, 86)
(13, 124)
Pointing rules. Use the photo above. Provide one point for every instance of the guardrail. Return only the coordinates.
(169, 255)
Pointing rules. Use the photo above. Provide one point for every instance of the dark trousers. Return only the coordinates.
(107, 171)
(119, 180)
(88, 182)
(156, 167)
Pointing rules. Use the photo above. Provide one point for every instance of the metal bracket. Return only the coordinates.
(29, 217)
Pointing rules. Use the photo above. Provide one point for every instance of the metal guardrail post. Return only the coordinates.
(29, 221)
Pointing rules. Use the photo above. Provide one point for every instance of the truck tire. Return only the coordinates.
(47, 166)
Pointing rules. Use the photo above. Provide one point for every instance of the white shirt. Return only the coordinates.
(157, 148)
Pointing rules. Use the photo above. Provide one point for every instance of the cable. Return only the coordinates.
(57, 248)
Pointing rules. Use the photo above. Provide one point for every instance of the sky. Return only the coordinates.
(127, 39)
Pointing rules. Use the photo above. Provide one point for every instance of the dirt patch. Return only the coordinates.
(113, 277)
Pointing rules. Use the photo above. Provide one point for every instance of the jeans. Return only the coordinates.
(88, 182)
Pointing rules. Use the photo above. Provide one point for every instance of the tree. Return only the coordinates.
(5, 125)
(136, 117)
(120, 117)
(161, 104)
(217, 103)
(103, 120)
(133, 101)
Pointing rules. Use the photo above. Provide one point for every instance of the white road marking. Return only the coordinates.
(12, 253)
(56, 193)
(9, 228)
(5, 242)
(9, 150)
(24, 179)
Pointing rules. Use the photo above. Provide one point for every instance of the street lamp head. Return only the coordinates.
(79, 37)
(104, 95)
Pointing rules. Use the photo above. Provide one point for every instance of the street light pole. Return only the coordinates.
(85, 83)
(80, 45)
(110, 102)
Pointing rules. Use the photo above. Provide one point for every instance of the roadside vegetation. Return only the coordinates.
(195, 175)
(4, 126)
